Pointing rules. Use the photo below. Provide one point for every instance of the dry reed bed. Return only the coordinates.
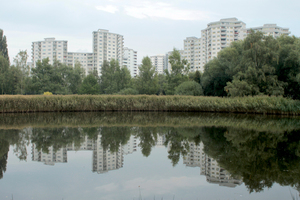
(72, 103)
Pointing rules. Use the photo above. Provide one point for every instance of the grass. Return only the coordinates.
(73, 103)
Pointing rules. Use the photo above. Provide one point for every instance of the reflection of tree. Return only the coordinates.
(148, 138)
(114, 137)
(4, 148)
(56, 138)
(178, 140)
(261, 158)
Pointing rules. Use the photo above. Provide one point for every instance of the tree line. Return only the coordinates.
(258, 65)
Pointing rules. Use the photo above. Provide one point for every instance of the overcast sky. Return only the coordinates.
(149, 27)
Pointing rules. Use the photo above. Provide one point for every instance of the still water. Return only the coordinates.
(78, 156)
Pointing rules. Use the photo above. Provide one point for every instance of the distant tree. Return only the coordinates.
(3, 46)
(4, 72)
(179, 72)
(114, 78)
(20, 62)
(75, 78)
(147, 80)
(89, 85)
(189, 88)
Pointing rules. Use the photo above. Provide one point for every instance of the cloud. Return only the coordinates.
(108, 188)
(162, 186)
(109, 8)
(147, 9)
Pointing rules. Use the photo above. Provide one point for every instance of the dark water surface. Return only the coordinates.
(78, 156)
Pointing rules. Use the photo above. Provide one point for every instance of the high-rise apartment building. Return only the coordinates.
(85, 59)
(130, 61)
(158, 62)
(271, 29)
(218, 35)
(107, 46)
(49, 48)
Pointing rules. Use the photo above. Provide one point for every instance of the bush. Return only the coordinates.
(190, 88)
(128, 91)
(48, 93)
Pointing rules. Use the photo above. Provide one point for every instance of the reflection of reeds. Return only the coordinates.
(150, 119)
(59, 103)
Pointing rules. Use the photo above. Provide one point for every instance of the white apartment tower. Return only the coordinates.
(192, 52)
(158, 62)
(271, 29)
(49, 48)
(130, 61)
(85, 59)
(219, 35)
(107, 46)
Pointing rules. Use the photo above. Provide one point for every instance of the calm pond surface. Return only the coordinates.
(78, 156)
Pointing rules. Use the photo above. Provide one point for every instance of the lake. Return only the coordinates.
(124, 155)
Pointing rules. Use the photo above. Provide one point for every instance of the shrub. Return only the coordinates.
(190, 88)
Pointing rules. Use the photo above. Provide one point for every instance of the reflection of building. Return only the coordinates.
(103, 160)
(209, 167)
(160, 140)
(50, 158)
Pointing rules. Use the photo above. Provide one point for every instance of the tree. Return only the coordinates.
(21, 64)
(147, 80)
(114, 78)
(189, 88)
(3, 46)
(288, 65)
(89, 85)
(4, 70)
(256, 69)
(75, 77)
(180, 69)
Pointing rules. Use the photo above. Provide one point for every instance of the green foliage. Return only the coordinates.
(114, 78)
(6, 77)
(22, 70)
(89, 85)
(57, 78)
(288, 65)
(3, 46)
(128, 91)
(190, 88)
(147, 80)
(179, 73)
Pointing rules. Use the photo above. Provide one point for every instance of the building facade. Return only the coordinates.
(130, 61)
(49, 48)
(107, 46)
(271, 29)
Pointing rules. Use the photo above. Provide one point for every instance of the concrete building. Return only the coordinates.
(85, 59)
(107, 46)
(130, 61)
(271, 29)
(158, 62)
(49, 48)
(219, 35)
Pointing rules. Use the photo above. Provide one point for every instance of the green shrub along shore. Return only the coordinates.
(76, 103)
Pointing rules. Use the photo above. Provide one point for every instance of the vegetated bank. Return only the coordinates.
(73, 103)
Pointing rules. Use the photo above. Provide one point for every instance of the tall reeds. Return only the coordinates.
(72, 103)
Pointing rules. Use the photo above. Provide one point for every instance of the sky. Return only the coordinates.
(149, 27)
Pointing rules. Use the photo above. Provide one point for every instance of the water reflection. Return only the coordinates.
(241, 152)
